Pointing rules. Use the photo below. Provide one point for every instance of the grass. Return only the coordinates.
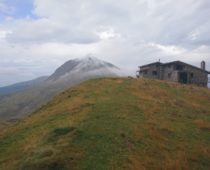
(115, 123)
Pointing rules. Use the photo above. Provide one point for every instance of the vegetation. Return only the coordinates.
(114, 124)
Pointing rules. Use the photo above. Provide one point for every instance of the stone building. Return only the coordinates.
(176, 71)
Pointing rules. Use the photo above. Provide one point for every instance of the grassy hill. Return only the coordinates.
(106, 124)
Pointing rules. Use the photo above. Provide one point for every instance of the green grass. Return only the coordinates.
(114, 123)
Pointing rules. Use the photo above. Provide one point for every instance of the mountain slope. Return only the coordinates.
(114, 123)
(28, 98)
(18, 87)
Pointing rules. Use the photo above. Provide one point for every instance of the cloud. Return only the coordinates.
(6, 9)
(166, 22)
(44, 31)
(127, 33)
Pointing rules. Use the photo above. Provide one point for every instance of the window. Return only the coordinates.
(169, 75)
(179, 67)
(154, 73)
(144, 72)
(191, 75)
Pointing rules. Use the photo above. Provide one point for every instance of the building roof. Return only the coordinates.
(174, 62)
(155, 63)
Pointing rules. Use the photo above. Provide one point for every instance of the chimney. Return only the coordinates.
(203, 65)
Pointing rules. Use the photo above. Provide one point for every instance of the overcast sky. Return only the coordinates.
(37, 36)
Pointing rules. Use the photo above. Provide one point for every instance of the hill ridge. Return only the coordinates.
(114, 123)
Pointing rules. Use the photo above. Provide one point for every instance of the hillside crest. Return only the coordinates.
(114, 123)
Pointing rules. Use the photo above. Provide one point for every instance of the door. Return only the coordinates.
(183, 77)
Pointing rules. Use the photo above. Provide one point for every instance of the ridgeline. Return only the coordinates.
(113, 123)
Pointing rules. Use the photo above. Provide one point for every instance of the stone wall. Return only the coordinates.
(152, 71)
(169, 73)
(196, 76)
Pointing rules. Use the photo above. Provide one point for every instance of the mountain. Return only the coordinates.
(86, 65)
(114, 123)
(23, 98)
(18, 87)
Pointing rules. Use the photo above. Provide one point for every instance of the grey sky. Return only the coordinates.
(127, 33)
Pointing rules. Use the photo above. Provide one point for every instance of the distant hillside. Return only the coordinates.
(114, 123)
(21, 99)
(18, 87)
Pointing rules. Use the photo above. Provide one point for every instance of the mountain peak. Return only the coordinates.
(89, 57)
(84, 65)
